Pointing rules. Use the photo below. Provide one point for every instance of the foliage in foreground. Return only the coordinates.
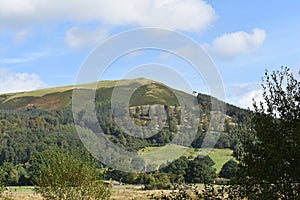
(2, 185)
(269, 152)
(61, 176)
(192, 192)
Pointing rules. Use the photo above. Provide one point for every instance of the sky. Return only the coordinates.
(43, 43)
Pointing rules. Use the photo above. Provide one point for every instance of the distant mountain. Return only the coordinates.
(148, 92)
(42, 119)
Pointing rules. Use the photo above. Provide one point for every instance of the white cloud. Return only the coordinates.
(26, 58)
(79, 37)
(243, 94)
(296, 72)
(246, 101)
(15, 60)
(187, 15)
(21, 36)
(18, 82)
(230, 45)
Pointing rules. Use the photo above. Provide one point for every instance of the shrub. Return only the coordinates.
(61, 176)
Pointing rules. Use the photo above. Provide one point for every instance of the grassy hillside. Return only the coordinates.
(48, 111)
(147, 92)
(219, 156)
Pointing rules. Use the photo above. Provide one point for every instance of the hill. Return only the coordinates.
(35, 121)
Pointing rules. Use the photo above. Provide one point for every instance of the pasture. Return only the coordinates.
(170, 152)
(117, 193)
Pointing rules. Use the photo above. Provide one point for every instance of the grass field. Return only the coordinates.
(39, 93)
(124, 192)
(21, 193)
(45, 91)
(170, 152)
(117, 193)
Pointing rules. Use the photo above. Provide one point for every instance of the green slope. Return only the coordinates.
(147, 92)
(219, 156)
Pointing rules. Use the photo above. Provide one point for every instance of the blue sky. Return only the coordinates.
(43, 43)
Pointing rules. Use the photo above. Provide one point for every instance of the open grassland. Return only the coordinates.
(220, 157)
(20, 193)
(148, 92)
(170, 152)
(39, 93)
(45, 91)
(124, 192)
(131, 192)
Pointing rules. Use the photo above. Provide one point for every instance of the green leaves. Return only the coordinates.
(229, 169)
(200, 170)
(62, 176)
(269, 157)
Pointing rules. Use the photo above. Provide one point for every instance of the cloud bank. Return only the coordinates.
(187, 15)
(243, 94)
(19, 82)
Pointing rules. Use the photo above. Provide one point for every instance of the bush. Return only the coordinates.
(61, 176)
(229, 169)
(192, 192)
(200, 170)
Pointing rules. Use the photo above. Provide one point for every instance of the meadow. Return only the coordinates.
(160, 155)
(124, 192)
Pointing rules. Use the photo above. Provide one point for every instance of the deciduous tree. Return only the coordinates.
(61, 176)
(269, 154)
